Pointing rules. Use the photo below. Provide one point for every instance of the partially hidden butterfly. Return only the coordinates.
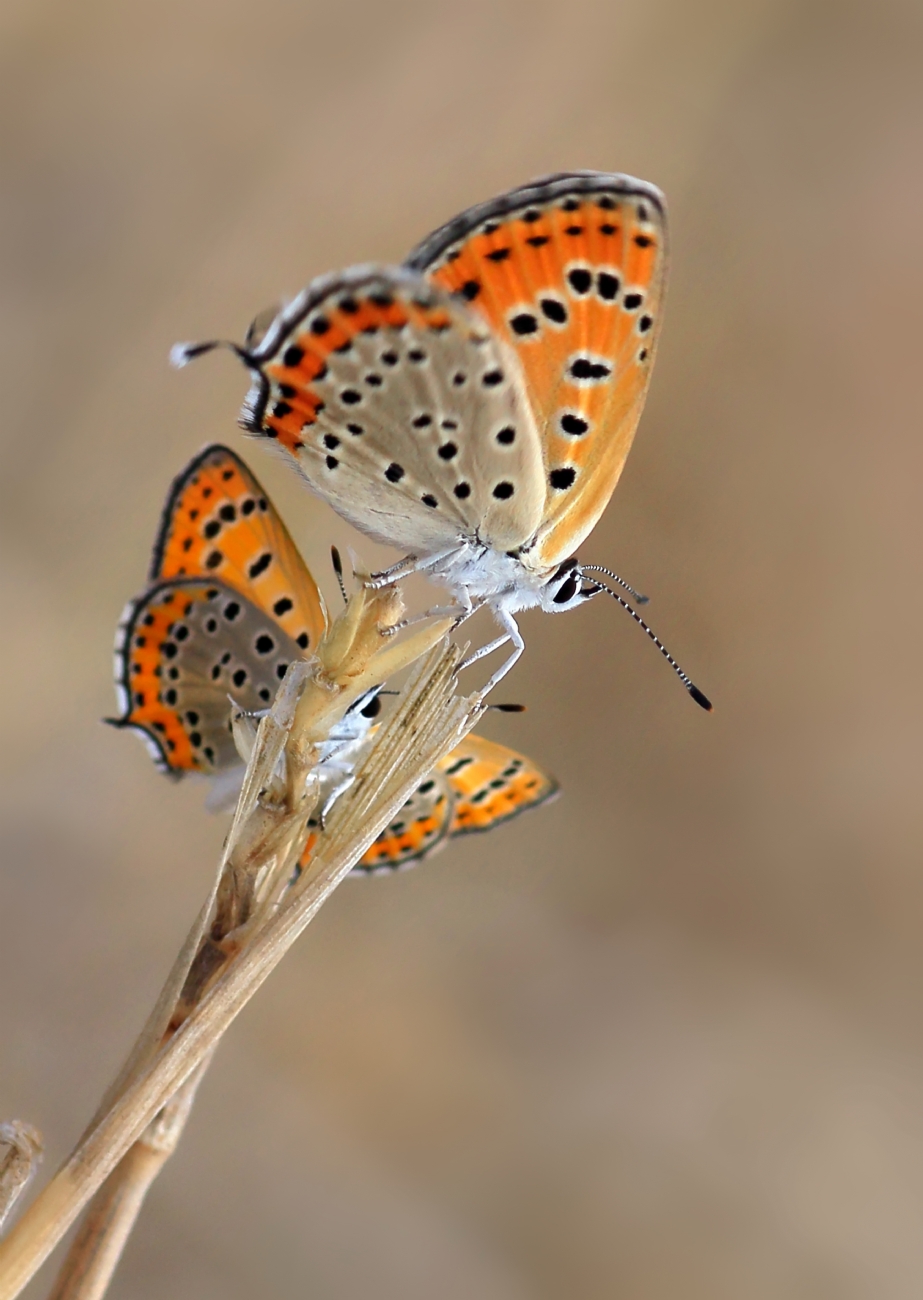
(475, 406)
(230, 605)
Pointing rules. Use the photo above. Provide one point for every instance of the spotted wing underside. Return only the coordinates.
(182, 650)
(420, 827)
(476, 787)
(402, 411)
(491, 783)
(570, 272)
(219, 524)
(190, 650)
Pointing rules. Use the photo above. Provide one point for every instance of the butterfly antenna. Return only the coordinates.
(599, 568)
(338, 570)
(182, 353)
(702, 700)
(508, 708)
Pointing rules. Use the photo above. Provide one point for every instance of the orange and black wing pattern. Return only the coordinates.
(218, 523)
(231, 605)
(476, 787)
(418, 829)
(491, 783)
(570, 271)
(186, 649)
(399, 409)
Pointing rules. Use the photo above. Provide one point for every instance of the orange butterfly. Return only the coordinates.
(475, 407)
(230, 606)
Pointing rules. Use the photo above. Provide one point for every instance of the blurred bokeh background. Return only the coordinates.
(663, 1037)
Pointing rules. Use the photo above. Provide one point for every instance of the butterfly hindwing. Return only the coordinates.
(218, 523)
(569, 272)
(182, 649)
(402, 410)
(491, 783)
(421, 825)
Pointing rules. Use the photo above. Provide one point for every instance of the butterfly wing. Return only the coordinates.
(491, 784)
(570, 272)
(218, 523)
(420, 826)
(402, 411)
(181, 650)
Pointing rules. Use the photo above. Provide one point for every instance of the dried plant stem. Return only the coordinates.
(97, 1248)
(23, 1157)
(430, 721)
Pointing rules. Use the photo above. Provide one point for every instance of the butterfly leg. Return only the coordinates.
(511, 634)
(340, 788)
(463, 609)
(404, 568)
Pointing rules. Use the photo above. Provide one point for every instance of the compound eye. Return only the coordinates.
(373, 708)
(567, 590)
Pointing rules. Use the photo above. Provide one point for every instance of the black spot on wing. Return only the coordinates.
(574, 425)
(555, 310)
(563, 478)
(589, 369)
(524, 323)
(260, 565)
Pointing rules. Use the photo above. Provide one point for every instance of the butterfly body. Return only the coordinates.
(337, 757)
(479, 575)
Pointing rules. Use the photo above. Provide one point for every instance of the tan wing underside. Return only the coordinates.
(402, 411)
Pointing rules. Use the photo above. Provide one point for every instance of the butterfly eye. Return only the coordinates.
(373, 708)
(567, 590)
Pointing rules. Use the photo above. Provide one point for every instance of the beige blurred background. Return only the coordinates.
(661, 1038)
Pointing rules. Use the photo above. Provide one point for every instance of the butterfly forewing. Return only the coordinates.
(219, 524)
(491, 784)
(402, 411)
(183, 649)
(570, 273)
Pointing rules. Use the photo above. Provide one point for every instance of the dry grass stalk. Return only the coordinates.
(251, 918)
(107, 1225)
(23, 1157)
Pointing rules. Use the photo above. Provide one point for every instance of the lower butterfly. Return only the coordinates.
(230, 605)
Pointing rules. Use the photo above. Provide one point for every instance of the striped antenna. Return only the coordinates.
(702, 700)
(338, 570)
(599, 568)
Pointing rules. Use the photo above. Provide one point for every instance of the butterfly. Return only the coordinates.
(475, 406)
(230, 604)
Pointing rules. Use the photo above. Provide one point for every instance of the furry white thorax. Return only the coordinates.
(488, 576)
(337, 761)
(478, 575)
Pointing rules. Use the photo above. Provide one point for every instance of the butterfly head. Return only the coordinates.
(566, 588)
(368, 705)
